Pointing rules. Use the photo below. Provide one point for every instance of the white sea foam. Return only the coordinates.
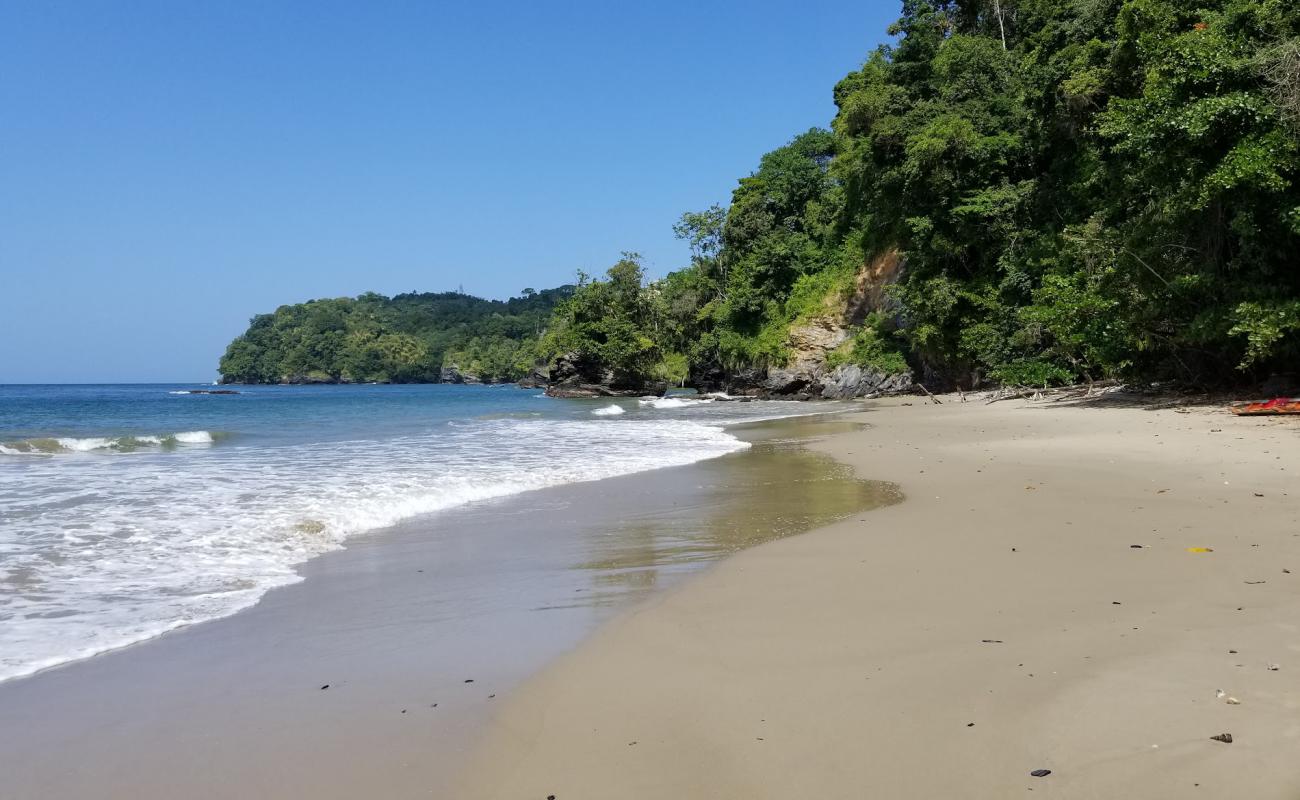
(84, 445)
(193, 437)
(105, 444)
(671, 402)
(611, 410)
(102, 552)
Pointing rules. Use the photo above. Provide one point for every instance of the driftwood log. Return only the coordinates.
(1057, 394)
(933, 399)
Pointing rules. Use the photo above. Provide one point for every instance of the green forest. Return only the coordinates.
(408, 338)
(1011, 191)
(1076, 189)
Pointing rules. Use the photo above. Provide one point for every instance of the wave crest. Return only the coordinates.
(56, 445)
(672, 402)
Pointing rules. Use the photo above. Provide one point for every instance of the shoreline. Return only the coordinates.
(318, 527)
(1067, 589)
(381, 666)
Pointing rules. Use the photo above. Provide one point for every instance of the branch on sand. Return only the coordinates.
(1073, 392)
(933, 399)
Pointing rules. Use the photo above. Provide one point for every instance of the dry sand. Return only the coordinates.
(1000, 621)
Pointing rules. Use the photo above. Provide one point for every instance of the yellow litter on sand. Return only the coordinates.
(1200, 549)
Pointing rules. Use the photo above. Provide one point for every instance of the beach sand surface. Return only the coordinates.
(1066, 588)
(374, 676)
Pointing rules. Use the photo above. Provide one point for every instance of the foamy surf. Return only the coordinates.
(672, 402)
(194, 437)
(89, 444)
(231, 526)
(109, 539)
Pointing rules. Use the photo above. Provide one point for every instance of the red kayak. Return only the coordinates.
(1278, 405)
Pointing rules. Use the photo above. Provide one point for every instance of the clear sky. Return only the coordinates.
(168, 169)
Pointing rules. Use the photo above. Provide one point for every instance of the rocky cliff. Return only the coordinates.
(572, 376)
(811, 370)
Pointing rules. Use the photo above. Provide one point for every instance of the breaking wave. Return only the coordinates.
(121, 444)
(672, 402)
(171, 541)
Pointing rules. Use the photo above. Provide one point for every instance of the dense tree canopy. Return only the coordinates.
(1106, 190)
(1079, 188)
(404, 339)
(612, 327)
(1075, 189)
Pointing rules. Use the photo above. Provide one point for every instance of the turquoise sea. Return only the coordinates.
(130, 510)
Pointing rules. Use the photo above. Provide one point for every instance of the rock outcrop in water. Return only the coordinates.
(572, 376)
(453, 374)
(537, 377)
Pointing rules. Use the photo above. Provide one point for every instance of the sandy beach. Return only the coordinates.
(375, 675)
(1066, 588)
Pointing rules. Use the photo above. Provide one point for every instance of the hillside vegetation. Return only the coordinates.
(1015, 191)
(1075, 189)
(409, 338)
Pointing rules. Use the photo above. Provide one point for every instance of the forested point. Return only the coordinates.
(409, 338)
(1012, 191)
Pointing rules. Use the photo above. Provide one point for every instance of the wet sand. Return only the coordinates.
(396, 626)
(1065, 589)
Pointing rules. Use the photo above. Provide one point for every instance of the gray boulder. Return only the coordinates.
(850, 380)
(573, 376)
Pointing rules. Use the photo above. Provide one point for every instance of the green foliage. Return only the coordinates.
(871, 348)
(613, 326)
(404, 339)
(773, 239)
(1079, 189)
(673, 368)
(1082, 188)
(1031, 372)
(1265, 326)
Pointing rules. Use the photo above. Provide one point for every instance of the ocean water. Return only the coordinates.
(130, 510)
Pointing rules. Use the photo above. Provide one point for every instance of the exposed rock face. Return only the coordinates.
(310, 380)
(813, 381)
(452, 374)
(571, 369)
(850, 380)
(740, 383)
(806, 376)
(869, 293)
(573, 376)
(809, 346)
(601, 390)
(537, 379)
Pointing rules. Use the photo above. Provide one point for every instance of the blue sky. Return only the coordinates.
(169, 169)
